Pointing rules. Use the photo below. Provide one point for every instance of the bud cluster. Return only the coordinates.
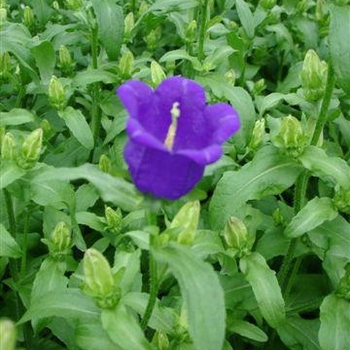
(114, 219)
(341, 200)
(343, 289)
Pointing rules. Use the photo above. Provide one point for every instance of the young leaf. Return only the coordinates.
(110, 21)
(45, 59)
(269, 173)
(339, 45)
(199, 286)
(78, 125)
(16, 116)
(335, 323)
(9, 172)
(123, 329)
(8, 246)
(315, 212)
(246, 17)
(265, 287)
(248, 330)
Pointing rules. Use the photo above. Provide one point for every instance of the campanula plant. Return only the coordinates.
(173, 134)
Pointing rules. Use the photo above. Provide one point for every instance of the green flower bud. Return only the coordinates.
(313, 76)
(5, 64)
(3, 16)
(291, 137)
(61, 237)
(157, 73)
(259, 87)
(56, 5)
(191, 32)
(153, 38)
(114, 219)
(47, 129)
(28, 18)
(8, 147)
(258, 134)
(341, 200)
(74, 4)
(126, 64)
(278, 218)
(187, 219)
(160, 340)
(143, 8)
(236, 236)
(105, 164)
(7, 335)
(3, 4)
(99, 281)
(129, 24)
(65, 60)
(343, 289)
(31, 148)
(319, 10)
(267, 4)
(2, 135)
(57, 95)
(230, 77)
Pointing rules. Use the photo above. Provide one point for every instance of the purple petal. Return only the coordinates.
(224, 119)
(161, 173)
(203, 156)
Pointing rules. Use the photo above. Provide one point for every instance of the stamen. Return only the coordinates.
(170, 137)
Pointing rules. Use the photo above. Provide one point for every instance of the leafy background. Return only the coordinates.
(285, 287)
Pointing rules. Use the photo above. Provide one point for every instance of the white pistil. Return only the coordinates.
(170, 137)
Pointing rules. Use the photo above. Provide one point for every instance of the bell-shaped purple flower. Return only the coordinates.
(173, 134)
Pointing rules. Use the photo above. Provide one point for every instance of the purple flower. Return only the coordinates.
(173, 134)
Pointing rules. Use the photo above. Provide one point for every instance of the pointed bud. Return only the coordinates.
(5, 64)
(129, 24)
(57, 95)
(31, 149)
(3, 4)
(187, 219)
(313, 76)
(157, 73)
(28, 18)
(258, 134)
(48, 131)
(319, 14)
(114, 219)
(230, 77)
(74, 5)
(56, 5)
(98, 278)
(236, 236)
(3, 16)
(160, 340)
(7, 335)
(105, 164)
(65, 60)
(341, 200)
(8, 147)
(267, 4)
(152, 38)
(343, 289)
(259, 87)
(278, 218)
(61, 237)
(126, 65)
(191, 32)
(143, 8)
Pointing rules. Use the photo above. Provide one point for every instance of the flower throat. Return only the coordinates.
(170, 137)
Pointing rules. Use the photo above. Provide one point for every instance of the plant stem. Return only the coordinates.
(24, 245)
(203, 25)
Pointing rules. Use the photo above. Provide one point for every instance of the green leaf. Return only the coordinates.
(8, 245)
(246, 17)
(200, 287)
(168, 6)
(269, 173)
(340, 45)
(298, 333)
(335, 323)
(45, 59)
(78, 126)
(181, 54)
(42, 11)
(315, 213)
(265, 287)
(71, 303)
(110, 22)
(112, 189)
(328, 168)
(123, 329)
(248, 330)
(218, 56)
(9, 172)
(89, 76)
(16, 116)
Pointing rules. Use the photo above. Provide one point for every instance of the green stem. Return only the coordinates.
(202, 28)
(24, 245)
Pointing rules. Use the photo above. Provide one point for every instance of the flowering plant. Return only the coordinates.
(173, 134)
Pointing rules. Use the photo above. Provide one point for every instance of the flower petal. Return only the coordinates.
(224, 119)
(203, 156)
(161, 173)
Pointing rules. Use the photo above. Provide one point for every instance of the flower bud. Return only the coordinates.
(278, 218)
(313, 76)
(129, 24)
(61, 237)
(5, 63)
(55, 5)
(48, 131)
(143, 8)
(31, 148)
(157, 73)
(187, 218)
(160, 340)
(8, 147)
(343, 289)
(319, 14)
(341, 200)
(74, 5)
(153, 38)
(7, 335)
(65, 60)
(3, 4)
(236, 236)
(126, 65)
(3, 16)
(98, 278)
(57, 95)
(267, 4)
(105, 164)
(291, 137)
(114, 219)
(259, 87)
(258, 134)
(28, 18)
(191, 32)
